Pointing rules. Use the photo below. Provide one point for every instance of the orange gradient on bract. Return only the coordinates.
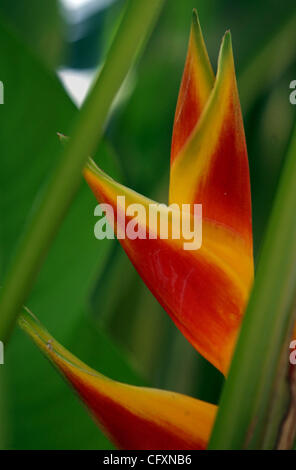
(135, 418)
(197, 83)
(204, 291)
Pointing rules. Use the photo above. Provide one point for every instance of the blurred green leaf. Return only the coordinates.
(270, 61)
(137, 22)
(45, 414)
(39, 23)
(35, 109)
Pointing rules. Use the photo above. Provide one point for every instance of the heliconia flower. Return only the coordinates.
(136, 418)
(205, 290)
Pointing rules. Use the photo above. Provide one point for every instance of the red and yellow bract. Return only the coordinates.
(204, 291)
(132, 417)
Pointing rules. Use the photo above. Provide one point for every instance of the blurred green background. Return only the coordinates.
(88, 294)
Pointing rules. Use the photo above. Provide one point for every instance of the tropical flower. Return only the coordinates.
(204, 291)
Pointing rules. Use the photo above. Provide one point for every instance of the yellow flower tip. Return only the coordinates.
(226, 69)
(204, 65)
(92, 167)
(197, 32)
(95, 172)
(28, 322)
(195, 19)
(226, 52)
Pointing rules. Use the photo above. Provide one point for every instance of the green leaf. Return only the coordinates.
(254, 391)
(35, 108)
(269, 61)
(39, 24)
(134, 28)
(39, 409)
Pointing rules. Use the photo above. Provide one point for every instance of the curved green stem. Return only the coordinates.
(255, 374)
(136, 24)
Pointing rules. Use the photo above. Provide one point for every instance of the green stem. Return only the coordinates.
(249, 390)
(136, 24)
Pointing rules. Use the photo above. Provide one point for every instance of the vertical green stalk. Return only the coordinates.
(136, 24)
(249, 394)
